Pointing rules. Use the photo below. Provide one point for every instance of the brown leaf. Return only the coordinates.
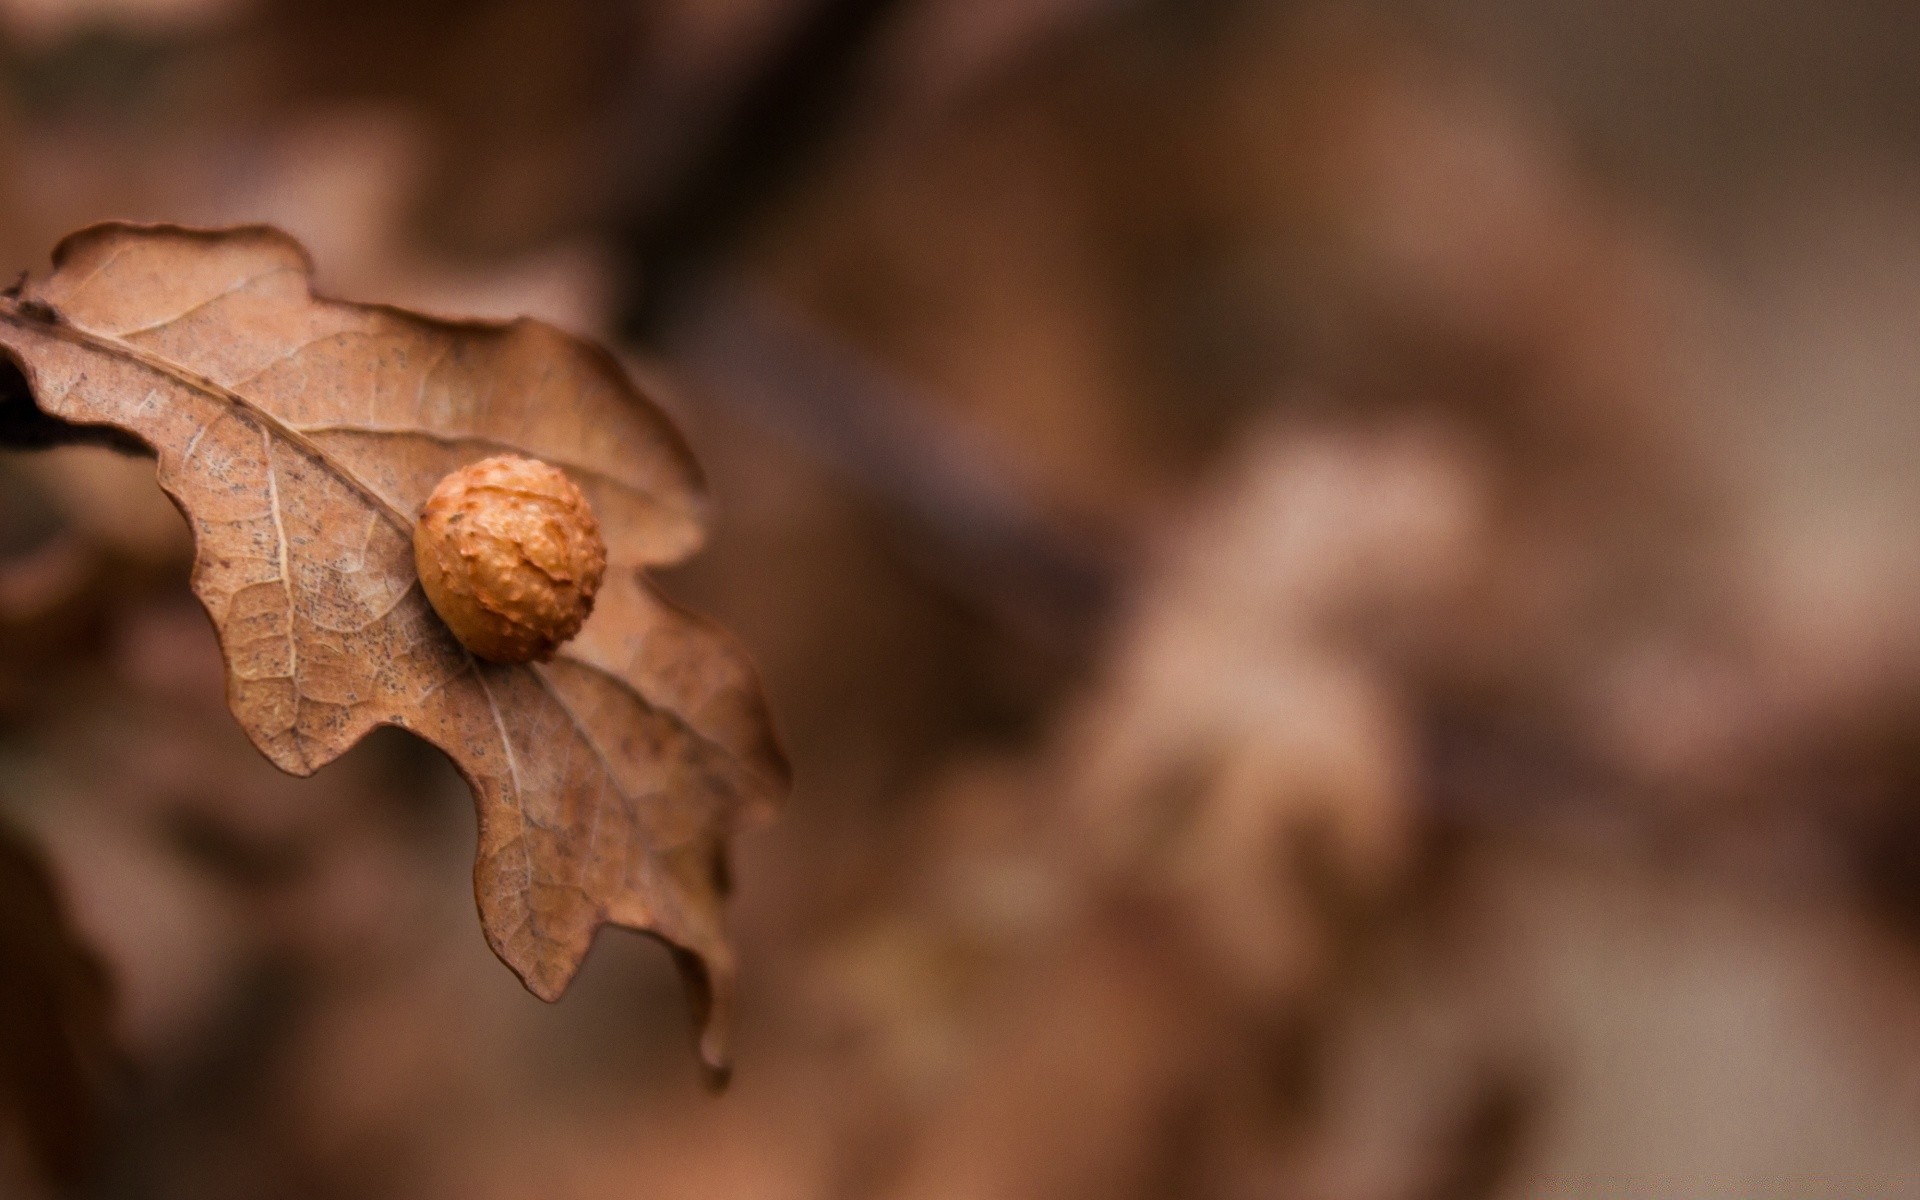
(300, 436)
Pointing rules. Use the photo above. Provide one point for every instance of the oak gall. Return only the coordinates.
(510, 555)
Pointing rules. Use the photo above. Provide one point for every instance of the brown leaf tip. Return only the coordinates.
(510, 555)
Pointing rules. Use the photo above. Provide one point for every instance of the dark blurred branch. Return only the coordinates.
(58, 1061)
(967, 525)
(778, 118)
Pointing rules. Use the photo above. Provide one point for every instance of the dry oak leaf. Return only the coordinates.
(300, 436)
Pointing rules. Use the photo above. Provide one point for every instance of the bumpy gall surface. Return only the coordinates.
(510, 556)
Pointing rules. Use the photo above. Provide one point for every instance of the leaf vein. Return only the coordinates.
(188, 311)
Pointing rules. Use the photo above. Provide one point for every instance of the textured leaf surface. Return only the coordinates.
(300, 436)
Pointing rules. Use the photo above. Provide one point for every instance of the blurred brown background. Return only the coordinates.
(1340, 581)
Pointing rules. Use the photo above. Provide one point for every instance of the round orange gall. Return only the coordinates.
(510, 555)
